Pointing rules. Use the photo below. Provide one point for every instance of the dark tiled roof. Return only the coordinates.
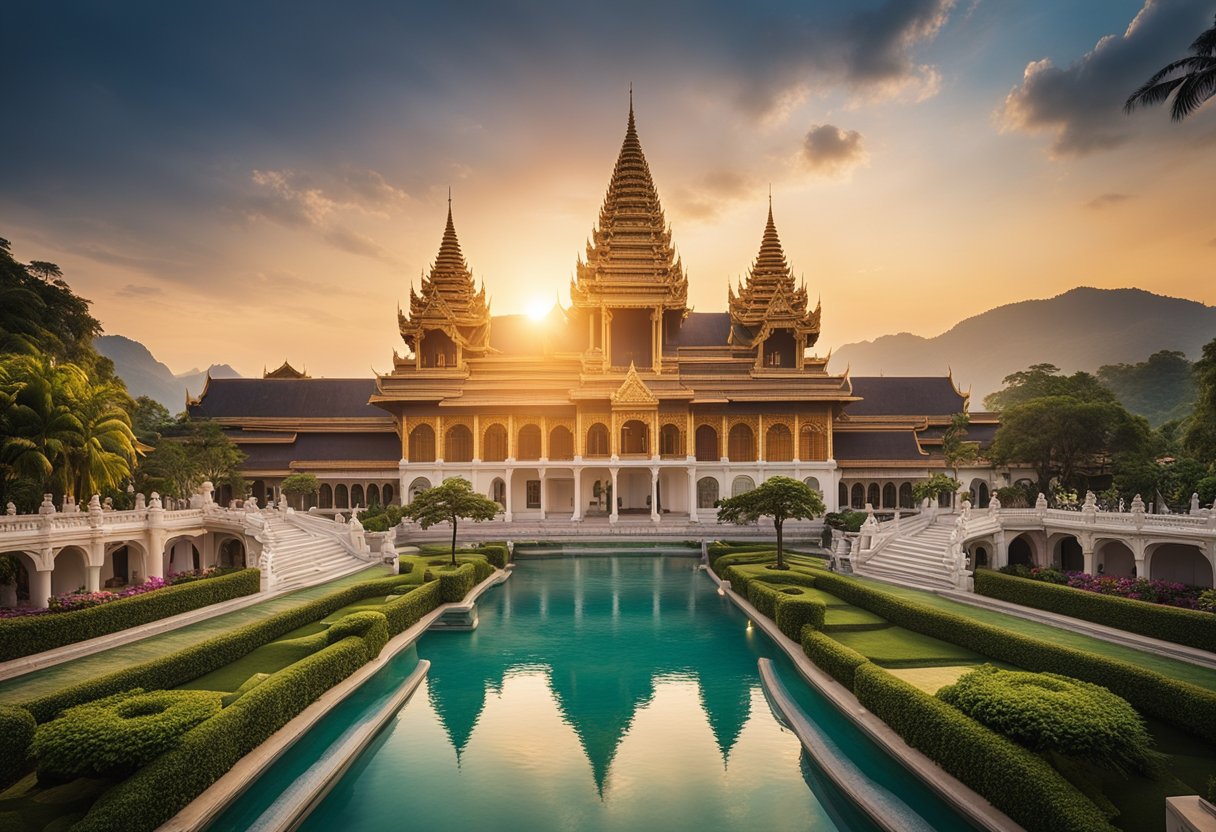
(324, 446)
(310, 398)
(703, 329)
(876, 444)
(905, 395)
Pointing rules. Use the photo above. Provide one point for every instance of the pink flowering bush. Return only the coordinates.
(1170, 593)
(79, 600)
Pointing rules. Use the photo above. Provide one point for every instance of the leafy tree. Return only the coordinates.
(1199, 438)
(1041, 380)
(955, 447)
(299, 485)
(189, 454)
(380, 518)
(934, 487)
(45, 316)
(150, 419)
(450, 501)
(217, 457)
(1160, 389)
(780, 498)
(46, 271)
(1191, 80)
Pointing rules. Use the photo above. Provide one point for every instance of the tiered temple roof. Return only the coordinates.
(769, 299)
(448, 300)
(630, 259)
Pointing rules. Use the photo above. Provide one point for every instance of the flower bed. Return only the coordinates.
(81, 600)
(1168, 593)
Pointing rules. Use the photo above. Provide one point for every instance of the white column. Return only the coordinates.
(40, 588)
(544, 494)
(613, 516)
(506, 514)
(692, 496)
(578, 496)
(93, 582)
(654, 493)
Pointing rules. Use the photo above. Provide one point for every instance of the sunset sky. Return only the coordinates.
(247, 182)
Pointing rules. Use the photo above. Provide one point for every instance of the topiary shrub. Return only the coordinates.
(454, 584)
(832, 657)
(116, 735)
(370, 625)
(16, 732)
(1047, 712)
(763, 597)
(795, 612)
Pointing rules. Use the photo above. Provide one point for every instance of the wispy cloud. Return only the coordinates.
(1107, 201)
(829, 151)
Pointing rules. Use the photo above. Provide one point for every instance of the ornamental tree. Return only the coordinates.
(934, 487)
(450, 501)
(299, 485)
(780, 498)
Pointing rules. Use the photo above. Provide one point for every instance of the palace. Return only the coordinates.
(624, 403)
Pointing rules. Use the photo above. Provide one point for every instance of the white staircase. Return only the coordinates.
(915, 558)
(301, 556)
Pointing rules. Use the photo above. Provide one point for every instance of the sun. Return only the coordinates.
(538, 308)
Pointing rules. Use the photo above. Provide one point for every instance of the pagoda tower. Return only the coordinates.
(449, 319)
(769, 312)
(632, 286)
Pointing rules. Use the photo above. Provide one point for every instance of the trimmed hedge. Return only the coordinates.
(16, 733)
(835, 659)
(795, 612)
(1188, 706)
(496, 554)
(1181, 626)
(36, 633)
(454, 584)
(163, 787)
(1017, 781)
(370, 625)
(763, 597)
(405, 611)
(190, 663)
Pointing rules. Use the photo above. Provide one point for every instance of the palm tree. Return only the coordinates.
(1191, 80)
(106, 453)
(40, 428)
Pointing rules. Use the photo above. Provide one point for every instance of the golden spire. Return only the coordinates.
(770, 298)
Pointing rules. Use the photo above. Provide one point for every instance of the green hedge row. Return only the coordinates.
(1188, 706)
(1181, 626)
(1017, 781)
(33, 634)
(835, 659)
(190, 663)
(404, 612)
(16, 733)
(795, 612)
(163, 787)
(763, 597)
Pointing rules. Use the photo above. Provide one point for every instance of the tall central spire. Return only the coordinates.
(769, 298)
(630, 251)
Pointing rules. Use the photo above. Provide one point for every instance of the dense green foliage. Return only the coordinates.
(837, 660)
(369, 625)
(213, 653)
(780, 498)
(451, 501)
(454, 584)
(35, 633)
(1187, 706)
(115, 735)
(1017, 781)
(188, 454)
(1161, 389)
(846, 521)
(299, 486)
(380, 518)
(934, 487)
(16, 733)
(1181, 626)
(1041, 381)
(1199, 438)
(1048, 712)
(796, 611)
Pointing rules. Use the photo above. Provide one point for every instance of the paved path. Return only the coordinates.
(49, 679)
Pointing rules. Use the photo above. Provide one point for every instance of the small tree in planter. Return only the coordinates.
(299, 486)
(934, 487)
(452, 500)
(780, 498)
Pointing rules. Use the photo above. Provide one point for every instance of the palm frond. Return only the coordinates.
(1194, 91)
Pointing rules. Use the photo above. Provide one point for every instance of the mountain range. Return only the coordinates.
(145, 376)
(1082, 329)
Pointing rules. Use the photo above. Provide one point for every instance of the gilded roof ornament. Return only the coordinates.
(769, 298)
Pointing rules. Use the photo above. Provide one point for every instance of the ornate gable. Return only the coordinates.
(633, 392)
(769, 299)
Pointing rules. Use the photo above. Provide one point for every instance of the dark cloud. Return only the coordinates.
(715, 192)
(830, 151)
(1081, 105)
(1107, 200)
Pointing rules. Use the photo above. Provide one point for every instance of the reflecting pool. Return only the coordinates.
(598, 693)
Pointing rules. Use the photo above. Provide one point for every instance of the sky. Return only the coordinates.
(244, 183)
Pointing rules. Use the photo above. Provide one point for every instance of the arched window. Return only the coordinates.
(742, 485)
(373, 495)
(813, 484)
(494, 447)
(419, 485)
(561, 443)
(707, 444)
(356, 496)
(529, 442)
(597, 440)
(670, 443)
(778, 444)
(741, 444)
(635, 437)
(341, 500)
(498, 492)
(387, 495)
(842, 497)
(422, 444)
(888, 495)
(707, 492)
(458, 444)
(905, 495)
(872, 496)
(327, 496)
(859, 496)
(812, 444)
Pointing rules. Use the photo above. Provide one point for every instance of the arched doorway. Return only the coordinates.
(327, 495)
(422, 444)
(597, 440)
(561, 443)
(872, 495)
(1180, 562)
(706, 440)
(858, 495)
(1068, 554)
(670, 444)
(1021, 553)
(498, 491)
(905, 495)
(979, 558)
(529, 443)
(778, 444)
(741, 444)
(707, 492)
(71, 570)
(386, 494)
(232, 553)
(1115, 558)
(373, 495)
(842, 497)
(458, 444)
(635, 437)
(341, 496)
(494, 448)
(356, 496)
(888, 495)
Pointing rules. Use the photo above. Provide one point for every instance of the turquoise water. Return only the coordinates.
(598, 693)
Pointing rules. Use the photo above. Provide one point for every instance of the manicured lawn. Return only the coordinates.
(897, 647)
(842, 617)
(266, 659)
(931, 679)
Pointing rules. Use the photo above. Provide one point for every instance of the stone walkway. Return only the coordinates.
(48, 679)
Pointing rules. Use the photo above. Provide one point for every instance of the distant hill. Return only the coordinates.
(145, 376)
(1082, 329)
